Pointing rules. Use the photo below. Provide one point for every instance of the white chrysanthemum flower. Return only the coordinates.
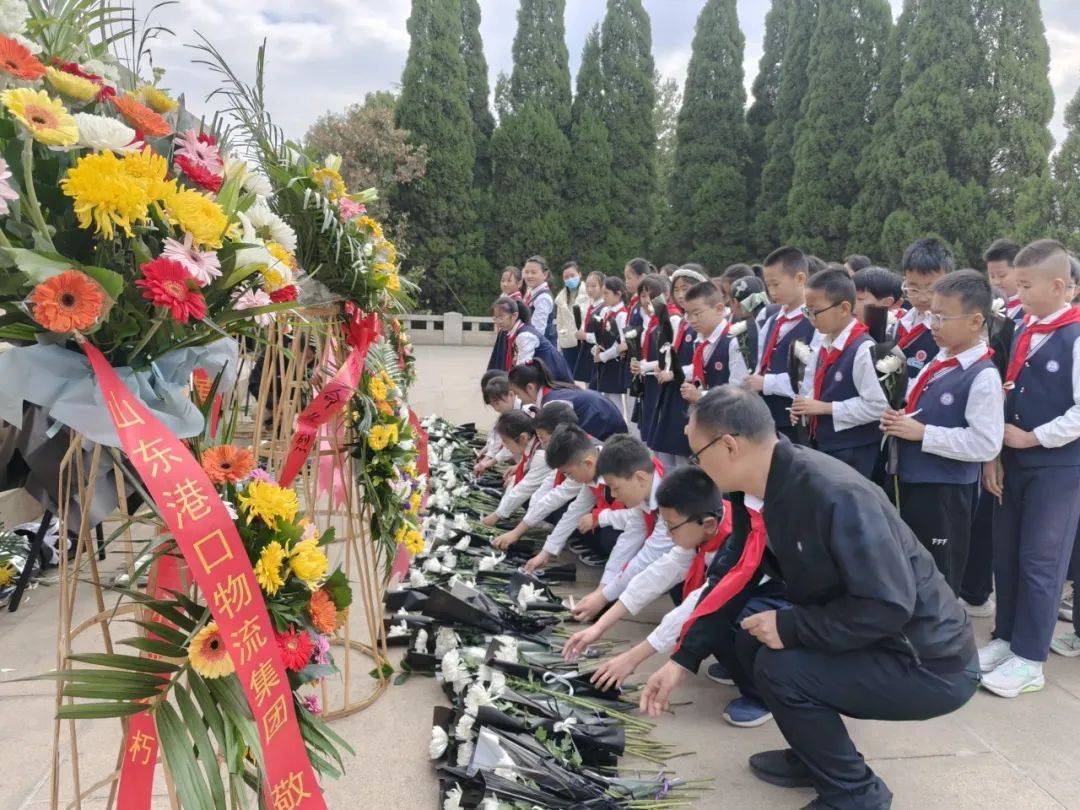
(461, 521)
(463, 729)
(998, 307)
(476, 697)
(106, 70)
(445, 640)
(439, 740)
(463, 543)
(464, 754)
(433, 566)
(508, 649)
(420, 642)
(494, 678)
(417, 579)
(489, 803)
(489, 562)
(474, 655)
(398, 630)
(528, 593)
(802, 352)
(260, 223)
(99, 132)
(564, 726)
(889, 364)
(737, 328)
(13, 16)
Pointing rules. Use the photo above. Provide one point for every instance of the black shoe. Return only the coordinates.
(816, 804)
(592, 561)
(719, 673)
(781, 768)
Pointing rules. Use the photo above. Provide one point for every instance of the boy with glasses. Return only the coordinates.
(924, 262)
(841, 394)
(952, 423)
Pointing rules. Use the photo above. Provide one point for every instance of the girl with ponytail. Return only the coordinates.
(534, 384)
(523, 342)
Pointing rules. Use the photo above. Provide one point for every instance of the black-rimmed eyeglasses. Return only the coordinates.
(695, 458)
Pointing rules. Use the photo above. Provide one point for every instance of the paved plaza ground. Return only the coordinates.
(994, 753)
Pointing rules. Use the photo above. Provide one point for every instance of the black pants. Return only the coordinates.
(861, 459)
(940, 516)
(808, 691)
(978, 581)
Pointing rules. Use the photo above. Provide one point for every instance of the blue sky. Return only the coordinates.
(326, 54)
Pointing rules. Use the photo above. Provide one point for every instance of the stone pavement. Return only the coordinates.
(993, 753)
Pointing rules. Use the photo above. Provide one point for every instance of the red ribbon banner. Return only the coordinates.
(363, 330)
(206, 536)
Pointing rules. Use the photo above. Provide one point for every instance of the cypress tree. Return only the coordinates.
(1067, 175)
(434, 109)
(587, 193)
(844, 69)
(764, 90)
(541, 71)
(708, 186)
(629, 97)
(942, 150)
(1018, 101)
(771, 205)
(476, 76)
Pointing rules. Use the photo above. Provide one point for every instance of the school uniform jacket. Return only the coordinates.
(535, 471)
(644, 540)
(542, 304)
(777, 389)
(915, 340)
(596, 414)
(524, 344)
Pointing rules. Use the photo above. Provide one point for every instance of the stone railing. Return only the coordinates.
(451, 329)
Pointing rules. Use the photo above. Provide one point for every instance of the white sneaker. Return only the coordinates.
(983, 611)
(1067, 645)
(994, 654)
(1014, 677)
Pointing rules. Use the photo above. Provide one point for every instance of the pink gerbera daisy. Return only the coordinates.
(203, 265)
(199, 150)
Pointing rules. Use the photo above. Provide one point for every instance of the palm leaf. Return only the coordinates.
(177, 748)
(196, 726)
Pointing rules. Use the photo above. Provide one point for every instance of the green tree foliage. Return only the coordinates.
(771, 205)
(665, 120)
(476, 76)
(541, 73)
(1067, 175)
(588, 193)
(629, 99)
(845, 63)
(434, 110)
(708, 186)
(765, 89)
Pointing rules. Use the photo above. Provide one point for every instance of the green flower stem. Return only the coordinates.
(146, 339)
(31, 192)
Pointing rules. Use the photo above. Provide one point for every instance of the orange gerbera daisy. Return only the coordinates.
(227, 464)
(140, 117)
(16, 60)
(323, 613)
(70, 301)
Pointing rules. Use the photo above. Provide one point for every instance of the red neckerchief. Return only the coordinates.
(611, 314)
(695, 577)
(516, 295)
(646, 340)
(826, 358)
(526, 459)
(651, 516)
(909, 336)
(680, 335)
(530, 295)
(927, 377)
(511, 348)
(559, 477)
(1012, 302)
(699, 355)
(734, 580)
(1023, 343)
(599, 492)
(774, 338)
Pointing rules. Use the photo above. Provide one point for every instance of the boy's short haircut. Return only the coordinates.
(691, 493)
(736, 271)
(1001, 250)
(703, 291)
(554, 414)
(568, 444)
(735, 410)
(815, 264)
(514, 423)
(928, 256)
(836, 284)
(857, 262)
(880, 282)
(497, 388)
(622, 456)
(971, 288)
(1045, 251)
(791, 260)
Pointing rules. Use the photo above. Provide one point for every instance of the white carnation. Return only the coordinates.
(737, 328)
(438, 743)
(99, 132)
(889, 364)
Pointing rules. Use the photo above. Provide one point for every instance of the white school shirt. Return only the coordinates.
(1012, 307)
(733, 350)
(597, 309)
(985, 414)
(666, 634)
(1065, 428)
(541, 307)
(620, 327)
(549, 497)
(909, 320)
(582, 505)
(516, 495)
(636, 547)
(525, 345)
(653, 366)
(870, 402)
(777, 384)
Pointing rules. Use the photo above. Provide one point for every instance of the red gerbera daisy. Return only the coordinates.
(198, 174)
(283, 294)
(166, 283)
(296, 649)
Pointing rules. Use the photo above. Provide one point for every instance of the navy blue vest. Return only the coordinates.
(919, 352)
(498, 352)
(551, 357)
(1043, 392)
(550, 332)
(717, 368)
(838, 385)
(943, 403)
(778, 364)
(596, 414)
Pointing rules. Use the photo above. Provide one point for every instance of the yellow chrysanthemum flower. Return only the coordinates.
(268, 568)
(208, 654)
(105, 195)
(268, 502)
(157, 100)
(330, 181)
(414, 502)
(151, 171)
(43, 116)
(379, 437)
(414, 541)
(7, 574)
(308, 561)
(371, 226)
(70, 85)
(393, 282)
(198, 215)
(377, 389)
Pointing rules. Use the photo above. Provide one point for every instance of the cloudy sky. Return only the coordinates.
(326, 54)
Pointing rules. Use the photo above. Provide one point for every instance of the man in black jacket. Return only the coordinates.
(873, 630)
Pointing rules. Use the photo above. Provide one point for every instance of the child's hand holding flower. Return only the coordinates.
(902, 426)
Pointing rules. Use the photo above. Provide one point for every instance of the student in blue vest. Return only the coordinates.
(999, 258)
(634, 272)
(923, 263)
(533, 383)
(786, 272)
(716, 359)
(538, 297)
(653, 294)
(1037, 479)
(841, 397)
(612, 374)
(585, 368)
(951, 425)
(523, 342)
